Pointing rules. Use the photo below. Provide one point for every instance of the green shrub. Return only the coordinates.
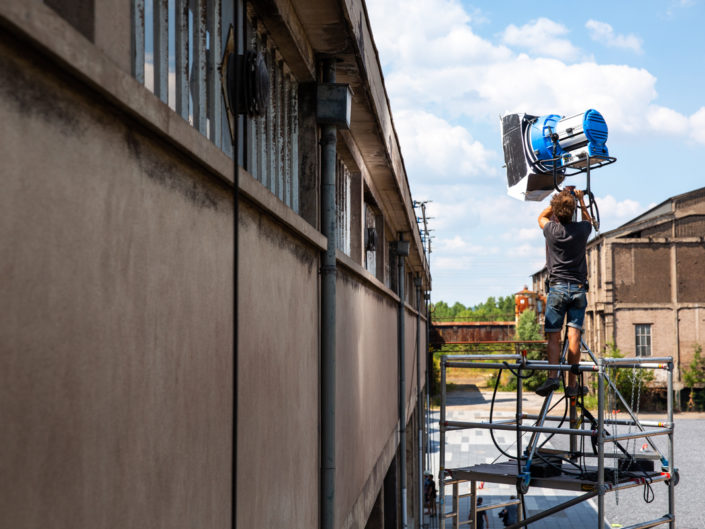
(632, 383)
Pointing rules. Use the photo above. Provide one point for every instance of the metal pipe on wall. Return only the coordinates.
(402, 250)
(419, 405)
(238, 17)
(328, 278)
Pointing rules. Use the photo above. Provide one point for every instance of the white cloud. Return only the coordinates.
(666, 120)
(614, 213)
(524, 84)
(697, 125)
(432, 146)
(604, 33)
(445, 80)
(429, 33)
(542, 37)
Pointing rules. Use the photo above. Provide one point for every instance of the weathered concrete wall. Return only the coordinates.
(366, 343)
(278, 461)
(116, 339)
(367, 382)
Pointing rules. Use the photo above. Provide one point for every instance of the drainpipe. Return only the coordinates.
(328, 276)
(402, 250)
(429, 366)
(419, 405)
(238, 16)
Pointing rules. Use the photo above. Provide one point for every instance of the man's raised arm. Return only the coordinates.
(583, 209)
(545, 216)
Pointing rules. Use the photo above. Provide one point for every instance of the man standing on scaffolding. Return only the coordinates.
(567, 277)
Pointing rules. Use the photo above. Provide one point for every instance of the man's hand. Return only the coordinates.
(579, 194)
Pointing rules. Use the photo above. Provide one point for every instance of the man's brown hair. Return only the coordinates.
(563, 205)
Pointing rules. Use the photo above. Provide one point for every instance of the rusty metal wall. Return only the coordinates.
(472, 332)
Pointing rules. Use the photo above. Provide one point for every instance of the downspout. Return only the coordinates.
(238, 18)
(402, 250)
(419, 404)
(429, 367)
(328, 277)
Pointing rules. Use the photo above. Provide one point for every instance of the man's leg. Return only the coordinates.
(573, 352)
(552, 383)
(554, 350)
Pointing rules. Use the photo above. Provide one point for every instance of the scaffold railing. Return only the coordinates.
(536, 466)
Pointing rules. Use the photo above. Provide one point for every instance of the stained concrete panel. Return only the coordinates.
(366, 385)
(278, 430)
(116, 336)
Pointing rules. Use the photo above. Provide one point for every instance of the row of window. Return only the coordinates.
(178, 47)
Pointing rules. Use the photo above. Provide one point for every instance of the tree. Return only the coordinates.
(528, 327)
(630, 382)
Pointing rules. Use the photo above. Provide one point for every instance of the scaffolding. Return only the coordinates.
(535, 466)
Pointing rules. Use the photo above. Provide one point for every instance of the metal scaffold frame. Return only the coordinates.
(595, 481)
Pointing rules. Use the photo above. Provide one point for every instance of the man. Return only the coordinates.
(567, 275)
(429, 493)
(482, 521)
(509, 514)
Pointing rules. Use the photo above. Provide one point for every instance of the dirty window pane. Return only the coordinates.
(643, 339)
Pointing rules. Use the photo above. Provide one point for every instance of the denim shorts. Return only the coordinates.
(565, 298)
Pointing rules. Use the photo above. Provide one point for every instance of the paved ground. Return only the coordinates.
(470, 447)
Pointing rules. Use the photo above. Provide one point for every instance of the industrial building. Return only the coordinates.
(153, 372)
(647, 294)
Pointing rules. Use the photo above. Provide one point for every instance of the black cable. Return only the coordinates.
(494, 396)
(516, 374)
(595, 214)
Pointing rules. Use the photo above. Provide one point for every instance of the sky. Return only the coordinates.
(453, 67)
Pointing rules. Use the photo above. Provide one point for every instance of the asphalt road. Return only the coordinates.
(689, 445)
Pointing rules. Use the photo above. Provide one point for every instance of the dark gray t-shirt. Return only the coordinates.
(565, 250)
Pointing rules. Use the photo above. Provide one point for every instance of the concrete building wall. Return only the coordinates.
(278, 408)
(116, 339)
(367, 424)
(117, 349)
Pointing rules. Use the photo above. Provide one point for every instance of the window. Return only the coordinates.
(342, 207)
(643, 339)
(177, 47)
(177, 50)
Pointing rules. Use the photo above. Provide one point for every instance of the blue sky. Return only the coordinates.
(453, 67)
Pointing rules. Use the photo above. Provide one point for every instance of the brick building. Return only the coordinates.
(647, 282)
